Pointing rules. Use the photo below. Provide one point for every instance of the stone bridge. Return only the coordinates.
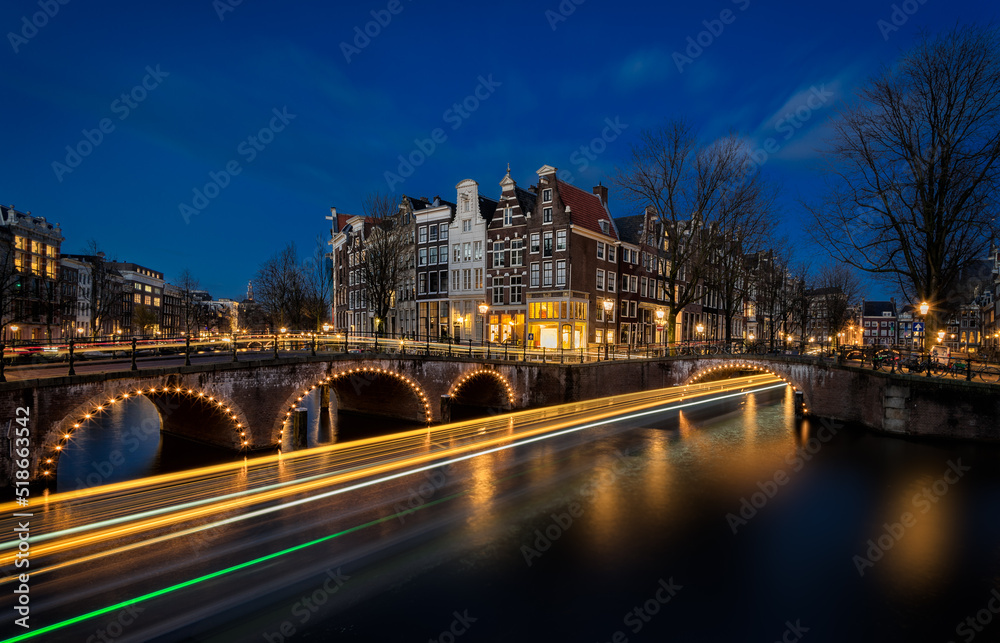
(244, 405)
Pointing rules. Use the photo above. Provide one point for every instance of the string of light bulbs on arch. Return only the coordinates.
(482, 371)
(329, 379)
(99, 408)
(742, 365)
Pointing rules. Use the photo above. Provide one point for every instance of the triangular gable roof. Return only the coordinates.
(586, 209)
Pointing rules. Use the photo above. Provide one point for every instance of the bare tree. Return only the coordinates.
(913, 166)
(105, 291)
(742, 230)
(318, 273)
(839, 288)
(695, 188)
(143, 318)
(280, 289)
(188, 284)
(383, 251)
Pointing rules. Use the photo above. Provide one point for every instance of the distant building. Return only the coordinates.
(878, 323)
(143, 287)
(38, 304)
(76, 322)
(433, 224)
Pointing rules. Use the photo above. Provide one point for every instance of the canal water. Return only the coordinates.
(748, 527)
(751, 526)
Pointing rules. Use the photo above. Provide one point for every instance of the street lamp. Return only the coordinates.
(609, 305)
(326, 328)
(659, 322)
(483, 309)
(701, 329)
(924, 309)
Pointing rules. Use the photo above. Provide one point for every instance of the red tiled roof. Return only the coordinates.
(586, 209)
(342, 220)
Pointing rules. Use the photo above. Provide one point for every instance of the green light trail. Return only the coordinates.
(221, 572)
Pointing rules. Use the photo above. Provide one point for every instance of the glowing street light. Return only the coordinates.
(609, 305)
(659, 322)
(483, 309)
(326, 328)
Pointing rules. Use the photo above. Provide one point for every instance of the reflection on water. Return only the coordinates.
(758, 517)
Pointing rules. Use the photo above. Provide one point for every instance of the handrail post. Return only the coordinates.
(968, 369)
(313, 347)
(187, 351)
(135, 367)
(275, 346)
(72, 371)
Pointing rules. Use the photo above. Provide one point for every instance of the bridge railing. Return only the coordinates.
(269, 346)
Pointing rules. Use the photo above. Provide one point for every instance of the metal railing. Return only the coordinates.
(271, 346)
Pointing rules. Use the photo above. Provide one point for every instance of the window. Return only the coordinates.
(561, 240)
(561, 272)
(643, 286)
(466, 251)
(149, 300)
(443, 254)
(137, 298)
(534, 275)
(456, 280)
(508, 216)
(515, 289)
(433, 233)
(635, 305)
(149, 289)
(547, 245)
(535, 237)
(432, 282)
(479, 278)
(612, 281)
(517, 252)
(635, 284)
(600, 249)
(444, 281)
(546, 215)
(467, 279)
(156, 301)
(498, 290)
(547, 273)
(624, 283)
(547, 195)
(466, 223)
(432, 255)
(635, 256)
(456, 253)
(422, 257)
(477, 251)
(498, 254)
(422, 234)
(600, 280)
(443, 234)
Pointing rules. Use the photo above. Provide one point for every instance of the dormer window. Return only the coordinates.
(508, 216)
(604, 226)
(547, 195)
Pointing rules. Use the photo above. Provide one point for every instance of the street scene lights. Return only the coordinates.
(609, 305)
(326, 328)
(483, 309)
(659, 323)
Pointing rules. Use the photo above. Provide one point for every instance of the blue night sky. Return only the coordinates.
(212, 84)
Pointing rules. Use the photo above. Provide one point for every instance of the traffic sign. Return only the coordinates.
(918, 327)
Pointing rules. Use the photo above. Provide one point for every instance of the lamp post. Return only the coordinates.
(659, 322)
(701, 330)
(460, 320)
(13, 335)
(609, 305)
(483, 309)
(924, 309)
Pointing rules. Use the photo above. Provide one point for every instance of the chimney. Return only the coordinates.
(602, 192)
(424, 199)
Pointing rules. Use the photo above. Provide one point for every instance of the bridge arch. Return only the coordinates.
(719, 367)
(167, 399)
(495, 384)
(341, 377)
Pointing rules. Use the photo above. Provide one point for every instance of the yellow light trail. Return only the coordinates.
(360, 454)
